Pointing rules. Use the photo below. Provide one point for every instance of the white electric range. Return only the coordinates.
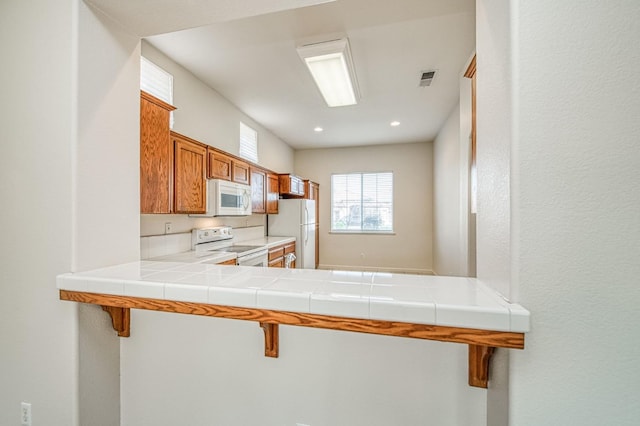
(209, 241)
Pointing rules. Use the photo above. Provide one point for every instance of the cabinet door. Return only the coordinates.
(273, 193)
(300, 187)
(156, 156)
(284, 183)
(276, 253)
(189, 176)
(218, 165)
(291, 185)
(240, 172)
(258, 191)
(277, 263)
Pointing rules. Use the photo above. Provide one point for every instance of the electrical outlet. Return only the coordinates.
(25, 414)
(167, 228)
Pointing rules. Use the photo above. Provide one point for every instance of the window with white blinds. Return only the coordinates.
(156, 81)
(248, 143)
(362, 202)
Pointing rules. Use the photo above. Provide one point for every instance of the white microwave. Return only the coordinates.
(226, 198)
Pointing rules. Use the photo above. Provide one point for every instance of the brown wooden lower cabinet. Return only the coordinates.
(277, 255)
(228, 262)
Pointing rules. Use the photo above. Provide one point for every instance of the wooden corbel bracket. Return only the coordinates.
(270, 339)
(120, 319)
(479, 363)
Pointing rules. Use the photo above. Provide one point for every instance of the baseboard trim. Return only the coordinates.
(416, 271)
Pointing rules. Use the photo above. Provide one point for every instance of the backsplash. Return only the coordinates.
(154, 224)
(162, 245)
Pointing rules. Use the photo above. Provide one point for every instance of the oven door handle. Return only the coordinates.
(257, 255)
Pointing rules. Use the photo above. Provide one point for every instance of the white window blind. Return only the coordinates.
(156, 81)
(362, 202)
(248, 143)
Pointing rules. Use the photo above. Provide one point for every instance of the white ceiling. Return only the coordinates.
(252, 61)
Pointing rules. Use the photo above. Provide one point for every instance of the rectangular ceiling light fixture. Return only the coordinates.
(331, 67)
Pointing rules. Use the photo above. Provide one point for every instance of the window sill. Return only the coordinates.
(362, 232)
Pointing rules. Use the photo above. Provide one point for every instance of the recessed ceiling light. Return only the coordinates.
(394, 123)
(318, 129)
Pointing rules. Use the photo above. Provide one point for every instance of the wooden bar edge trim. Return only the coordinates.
(471, 69)
(491, 338)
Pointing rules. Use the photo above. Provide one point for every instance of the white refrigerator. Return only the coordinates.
(297, 218)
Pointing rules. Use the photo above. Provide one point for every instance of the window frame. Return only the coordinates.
(362, 230)
(243, 150)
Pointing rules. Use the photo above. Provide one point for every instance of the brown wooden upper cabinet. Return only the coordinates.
(311, 190)
(223, 166)
(258, 190)
(273, 193)
(190, 162)
(156, 155)
(240, 172)
(291, 185)
(218, 165)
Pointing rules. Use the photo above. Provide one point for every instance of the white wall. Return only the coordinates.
(576, 220)
(493, 157)
(180, 369)
(453, 224)
(203, 114)
(449, 256)
(69, 173)
(410, 248)
(106, 225)
(493, 153)
(38, 359)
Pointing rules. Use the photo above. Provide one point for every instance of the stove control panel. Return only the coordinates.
(207, 235)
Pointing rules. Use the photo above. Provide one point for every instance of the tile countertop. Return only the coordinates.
(421, 299)
(190, 256)
(267, 241)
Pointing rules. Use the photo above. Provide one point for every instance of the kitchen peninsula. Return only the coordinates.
(448, 309)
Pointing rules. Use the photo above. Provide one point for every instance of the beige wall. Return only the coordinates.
(38, 354)
(410, 247)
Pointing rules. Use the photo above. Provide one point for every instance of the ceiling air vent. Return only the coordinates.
(426, 78)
